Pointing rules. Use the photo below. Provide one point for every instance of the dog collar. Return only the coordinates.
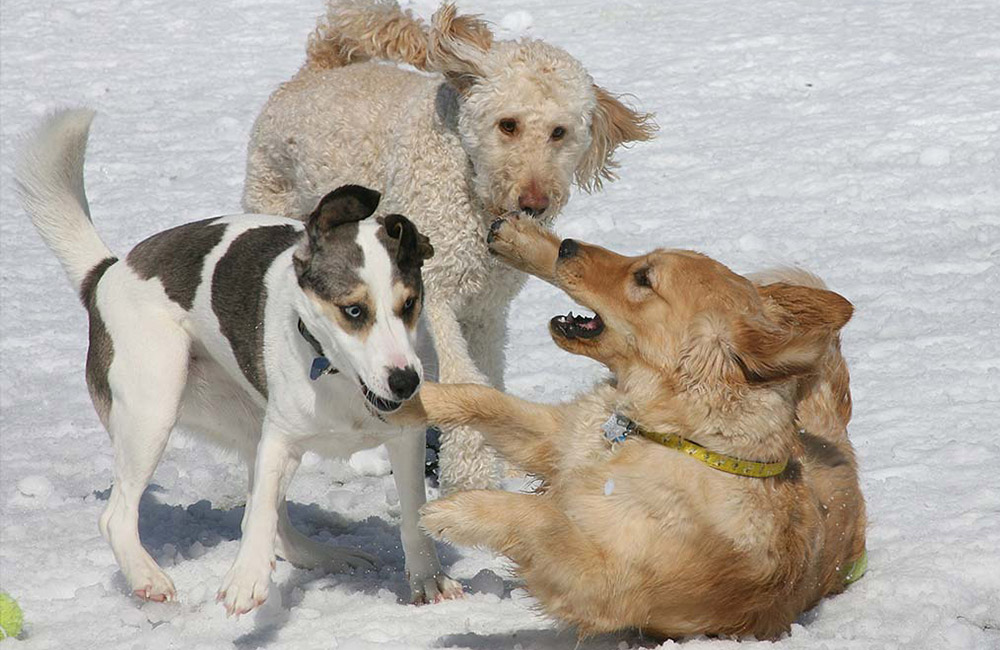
(320, 364)
(618, 428)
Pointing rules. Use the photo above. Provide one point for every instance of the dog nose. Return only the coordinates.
(533, 202)
(568, 248)
(403, 382)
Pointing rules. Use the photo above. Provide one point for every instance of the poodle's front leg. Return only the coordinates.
(466, 462)
(526, 245)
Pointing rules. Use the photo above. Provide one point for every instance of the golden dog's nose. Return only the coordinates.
(568, 248)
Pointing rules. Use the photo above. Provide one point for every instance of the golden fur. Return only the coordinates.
(642, 536)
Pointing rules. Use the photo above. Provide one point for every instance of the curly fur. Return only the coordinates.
(430, 142)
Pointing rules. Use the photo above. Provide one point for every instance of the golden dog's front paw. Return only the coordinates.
(452, 519)
(519, 241)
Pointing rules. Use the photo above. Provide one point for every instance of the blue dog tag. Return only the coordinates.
(319, 366)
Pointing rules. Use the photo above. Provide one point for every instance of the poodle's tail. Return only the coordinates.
(50, 180)
(358, 30)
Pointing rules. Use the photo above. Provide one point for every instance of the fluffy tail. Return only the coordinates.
(359, 30)
(50, 180)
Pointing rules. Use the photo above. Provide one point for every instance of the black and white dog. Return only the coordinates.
(266, 335)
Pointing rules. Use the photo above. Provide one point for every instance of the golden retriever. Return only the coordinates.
(636, 534)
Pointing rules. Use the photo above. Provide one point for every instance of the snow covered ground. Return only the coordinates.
(859, 138)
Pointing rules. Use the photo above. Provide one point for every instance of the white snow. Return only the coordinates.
(856, 138)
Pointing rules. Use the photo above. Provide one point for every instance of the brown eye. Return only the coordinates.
(558, 133)
(642, 278)
(508, 125)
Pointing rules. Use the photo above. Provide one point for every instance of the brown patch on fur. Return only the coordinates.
(643, 536)
(612, 125)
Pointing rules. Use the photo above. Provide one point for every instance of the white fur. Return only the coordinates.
(174, 367)
(436, 153)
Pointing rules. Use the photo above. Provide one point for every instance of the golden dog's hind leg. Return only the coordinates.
(564, 569)
(523, 432)
(525, 245)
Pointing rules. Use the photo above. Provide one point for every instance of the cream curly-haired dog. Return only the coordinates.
(487, 128)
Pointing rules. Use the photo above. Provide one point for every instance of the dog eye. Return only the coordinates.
(558, 133)
(408, 305)
(642, 278)
(353, 312)
(508, 125)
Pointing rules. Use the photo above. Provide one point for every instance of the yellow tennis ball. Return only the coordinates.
(11, 617)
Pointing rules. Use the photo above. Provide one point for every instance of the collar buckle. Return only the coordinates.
(618, 428)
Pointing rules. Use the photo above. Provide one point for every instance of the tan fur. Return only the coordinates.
(644, 536)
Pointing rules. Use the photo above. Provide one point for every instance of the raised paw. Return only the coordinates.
(523, 243)
(434, 589)
(448, 519)
(245, 586)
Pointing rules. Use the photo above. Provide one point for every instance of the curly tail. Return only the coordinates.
(358, 30)
(49, 176)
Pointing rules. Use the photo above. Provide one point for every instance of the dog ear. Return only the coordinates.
(457, 46)
(346, 204)
(412, 247)
(612, 125)
(796, 330)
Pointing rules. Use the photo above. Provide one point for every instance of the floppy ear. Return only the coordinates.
(457, 46)
(346, 204)
(412, 248)
(612, 125)
(797, 329)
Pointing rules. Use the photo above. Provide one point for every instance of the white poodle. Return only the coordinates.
(483, 128)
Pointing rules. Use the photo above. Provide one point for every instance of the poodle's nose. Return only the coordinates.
(403, 382)
(533, 201)
(568, 248)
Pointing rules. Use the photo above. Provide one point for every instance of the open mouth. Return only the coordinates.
(381, 404)
(571, 326)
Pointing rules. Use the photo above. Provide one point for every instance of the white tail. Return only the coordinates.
(50, 179)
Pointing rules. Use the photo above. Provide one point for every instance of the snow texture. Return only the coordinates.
(858, 139)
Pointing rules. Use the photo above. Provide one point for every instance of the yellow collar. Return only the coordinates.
(619, 427)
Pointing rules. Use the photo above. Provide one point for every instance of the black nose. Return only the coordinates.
(568, 248)
(403, 382)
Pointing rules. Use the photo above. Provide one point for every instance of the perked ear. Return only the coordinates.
(612, 125)
(457, 45)
(412, 247)
(797, 330)
(346, 204)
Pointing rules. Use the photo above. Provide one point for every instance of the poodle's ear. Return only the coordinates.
(457, 46)
(612, 125)
(797, 329)
(346, 204)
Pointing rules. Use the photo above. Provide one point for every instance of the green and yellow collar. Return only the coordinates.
(618, 428)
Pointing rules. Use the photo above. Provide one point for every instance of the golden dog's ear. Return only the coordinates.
(612, 125)
(457, 46)
(796, 330)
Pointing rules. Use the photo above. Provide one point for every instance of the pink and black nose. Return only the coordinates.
(403, 382)
(533, 201)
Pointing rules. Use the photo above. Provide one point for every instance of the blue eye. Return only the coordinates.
(354, 312)
(408, 305)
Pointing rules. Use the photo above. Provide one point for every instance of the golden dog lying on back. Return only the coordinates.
(709, 487)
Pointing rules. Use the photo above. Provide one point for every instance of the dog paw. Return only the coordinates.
(245, 587)
(519, 242)
(434, 589)
(442, 519)
(149, 582)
